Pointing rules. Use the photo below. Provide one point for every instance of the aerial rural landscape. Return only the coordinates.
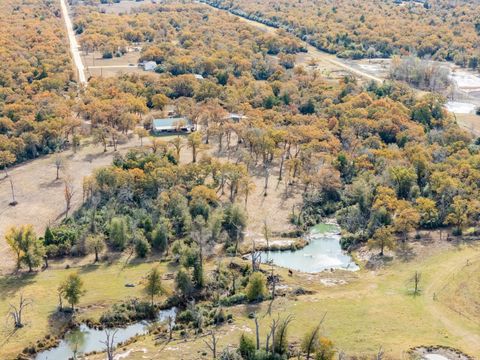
(240, 179)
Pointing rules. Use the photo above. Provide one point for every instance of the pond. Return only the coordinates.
(460, 107)
(323, 252)
(85, 339)
(434, 357)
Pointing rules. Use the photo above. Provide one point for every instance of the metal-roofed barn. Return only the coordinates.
(172, 125)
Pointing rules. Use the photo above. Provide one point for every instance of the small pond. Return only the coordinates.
(86, 339)
(323, 252)
(460, 107)
(434, 357)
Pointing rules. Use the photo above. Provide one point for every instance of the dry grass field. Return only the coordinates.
(360, 309)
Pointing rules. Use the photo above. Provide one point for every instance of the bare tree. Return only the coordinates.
(170, 327)
(14, 200)
(110, 343)
(16, 312)
(415, 280)
(60, 293)
(59, 163)
(212, 345)
(267, 176)
(274, 279)
(256, 257)
(68, 193)
(266, 233)
(311, 338)
(257, 332)
(273, 328)
(380, 354)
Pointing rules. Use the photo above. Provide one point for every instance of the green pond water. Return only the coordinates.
(85, 340)
(323, 252)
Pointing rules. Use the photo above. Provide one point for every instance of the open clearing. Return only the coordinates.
(95, 65)
(40, 197)
(359, 313)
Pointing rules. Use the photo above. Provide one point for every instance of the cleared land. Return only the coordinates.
(359, 313)
(40, 197)
(95, 65)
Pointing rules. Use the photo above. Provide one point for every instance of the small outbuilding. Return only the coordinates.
(236, 117)
(172, 125)
(149, 65)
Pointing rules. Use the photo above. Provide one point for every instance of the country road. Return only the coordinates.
(74, 48)
(312, 51)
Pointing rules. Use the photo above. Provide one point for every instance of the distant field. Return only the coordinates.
(124, 6)
(95, 65)
(470, 122)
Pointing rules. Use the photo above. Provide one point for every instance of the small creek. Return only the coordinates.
(323, 252)
(85, 340)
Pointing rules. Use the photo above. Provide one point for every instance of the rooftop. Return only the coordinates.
(170, 123)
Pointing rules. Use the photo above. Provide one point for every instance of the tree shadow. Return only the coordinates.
(91, 157)
(90, 268)
(252, 308)
(51, 184)
(405, 253)
(10, 285)
(7, 333)
(59, 322)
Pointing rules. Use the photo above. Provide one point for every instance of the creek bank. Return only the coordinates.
(322, 251)
(438, 352)
(89, 337)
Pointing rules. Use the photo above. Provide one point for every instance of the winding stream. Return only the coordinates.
(322, 253)
(85, 340)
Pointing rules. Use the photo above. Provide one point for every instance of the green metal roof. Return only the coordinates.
(169, 123)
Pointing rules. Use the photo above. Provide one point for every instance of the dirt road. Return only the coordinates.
(74, 48)
(450, 319)
(318, 55)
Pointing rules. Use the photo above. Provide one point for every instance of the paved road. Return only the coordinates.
(74, 48)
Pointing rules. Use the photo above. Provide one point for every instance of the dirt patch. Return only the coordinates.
(332, 282)
(41, 198)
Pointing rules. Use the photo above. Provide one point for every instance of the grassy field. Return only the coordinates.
(105, 285)
(373, 309)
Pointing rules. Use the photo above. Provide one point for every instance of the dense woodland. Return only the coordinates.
(181, 40)
(438, 29)
(36, 74)
(375, 156)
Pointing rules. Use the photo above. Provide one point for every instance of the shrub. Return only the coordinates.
(142, 248)
(246, 348)
(233, 300)
(185, 316)
(219, 316)
(126, 312)
(107, 55)
(256, 288)
(325, 349)
(160, 236)
(118, 233)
